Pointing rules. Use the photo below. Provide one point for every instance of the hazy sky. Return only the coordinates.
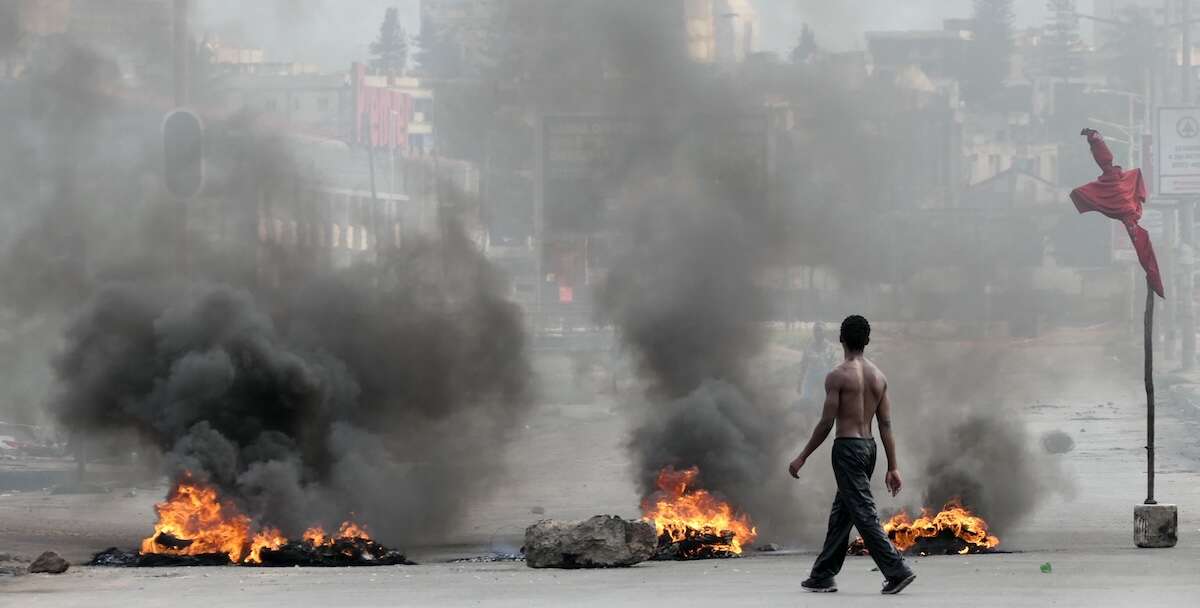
(839, 24)
(333, 33)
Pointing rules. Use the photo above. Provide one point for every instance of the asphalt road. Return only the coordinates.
(1119, 577)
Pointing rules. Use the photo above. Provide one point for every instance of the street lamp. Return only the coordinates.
(1130, 131)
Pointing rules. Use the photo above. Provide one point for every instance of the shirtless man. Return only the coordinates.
(855, 393)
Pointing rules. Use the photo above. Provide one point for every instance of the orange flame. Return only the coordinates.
(195, 521)
(954, 518)
(681, 512)
(353, 530)
(269, 538)
(316, 535)
(199, 523)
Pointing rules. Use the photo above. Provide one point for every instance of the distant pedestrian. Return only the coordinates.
(819, 356)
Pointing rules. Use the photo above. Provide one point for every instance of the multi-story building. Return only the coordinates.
(736, 30)
(940, 54)
(136, 34)
(718, 31)
(392, 113)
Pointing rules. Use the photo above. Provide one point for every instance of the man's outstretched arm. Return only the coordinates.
(884, 418)
(833, 389)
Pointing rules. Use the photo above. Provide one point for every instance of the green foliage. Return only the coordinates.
(389, 53)
(1062, 50)
(1134, 47)
(806, 47)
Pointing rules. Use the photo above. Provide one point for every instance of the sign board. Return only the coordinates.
(1178, 158)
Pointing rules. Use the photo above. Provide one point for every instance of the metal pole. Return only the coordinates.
(1132, 131)
(1149, 373)
(1187, 216)
(539, 221)
(1187, 224)
(181, 51)
(1186, 53)
(1167, 264)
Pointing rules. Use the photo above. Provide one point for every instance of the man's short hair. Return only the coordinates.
(856, 333)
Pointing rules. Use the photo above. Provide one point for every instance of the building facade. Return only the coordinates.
(940, 54)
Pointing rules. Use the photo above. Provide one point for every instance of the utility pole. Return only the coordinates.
(181, 51)
(181, 55)
(1187, 214)
(1156, 525)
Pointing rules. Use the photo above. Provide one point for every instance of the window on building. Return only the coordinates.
(336, 239)
(362, 238)
(279, 231)
(396, 234)
(270, 105)
(323, 104)
(350, 236)
(294, 232)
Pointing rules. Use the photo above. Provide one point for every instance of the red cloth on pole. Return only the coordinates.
(1119, 195)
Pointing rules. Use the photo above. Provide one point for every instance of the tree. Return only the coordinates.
(438, 56)
(390, 52)
(990, 53)
(1134, 47)
(806, 47)
(1062, 54)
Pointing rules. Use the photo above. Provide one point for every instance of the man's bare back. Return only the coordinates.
(859, 388)
(856, 393)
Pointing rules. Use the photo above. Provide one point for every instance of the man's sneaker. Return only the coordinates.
(892, 586)
(819, 585)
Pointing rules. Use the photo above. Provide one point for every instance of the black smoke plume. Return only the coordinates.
(389, 403)
(682, 295)
(384, 389)
(961, 435)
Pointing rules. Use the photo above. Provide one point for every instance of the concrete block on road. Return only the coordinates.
(1155, 526)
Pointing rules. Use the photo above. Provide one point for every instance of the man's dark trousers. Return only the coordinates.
(853, 464)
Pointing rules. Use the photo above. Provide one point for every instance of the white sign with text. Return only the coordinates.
(1178, 151)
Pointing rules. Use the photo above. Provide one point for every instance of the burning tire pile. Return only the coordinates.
(693, 523)
(196, 528)
(955, 530)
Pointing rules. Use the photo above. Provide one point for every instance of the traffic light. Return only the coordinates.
(183, 154)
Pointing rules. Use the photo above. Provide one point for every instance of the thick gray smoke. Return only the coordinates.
(61, 171)
(383, 390)
(702, 228)
(974, 445)
(387, 403)
(689, 311)
(682, 294)
(987, 463)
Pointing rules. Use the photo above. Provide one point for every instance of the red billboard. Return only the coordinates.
(381, 114)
